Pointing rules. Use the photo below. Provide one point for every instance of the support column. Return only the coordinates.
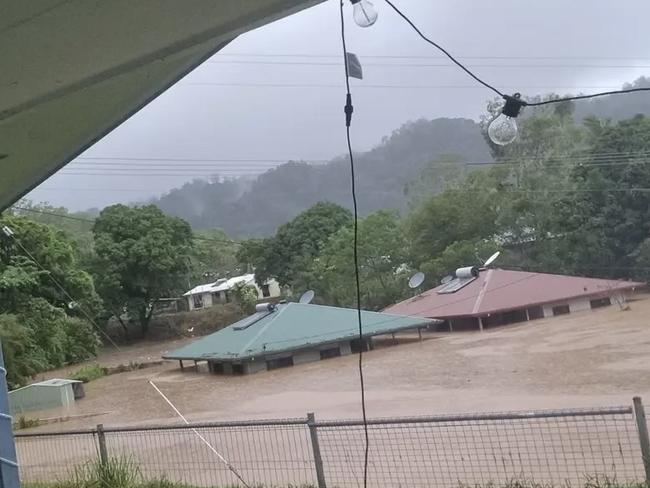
(420, 334)
(527, 316)
(480, 323)
(644, 439)
(181, 363)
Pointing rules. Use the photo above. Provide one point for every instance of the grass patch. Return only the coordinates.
(25, 423)
(89, 373)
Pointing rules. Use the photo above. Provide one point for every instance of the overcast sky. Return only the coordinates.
(220, 112)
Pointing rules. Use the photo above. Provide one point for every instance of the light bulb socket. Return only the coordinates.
(513, 105)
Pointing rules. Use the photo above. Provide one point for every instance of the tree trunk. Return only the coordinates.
(124, 326)
(144, 316)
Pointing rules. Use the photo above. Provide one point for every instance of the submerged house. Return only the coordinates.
(205, 296)
(290, 334)
(490, 297)
(45, 395)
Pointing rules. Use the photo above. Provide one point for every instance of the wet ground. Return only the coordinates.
(594, 358)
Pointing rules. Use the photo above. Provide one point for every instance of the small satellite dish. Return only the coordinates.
(307, 297)
(446, 279)
(491, 259)
(416, 280)
(72, 305)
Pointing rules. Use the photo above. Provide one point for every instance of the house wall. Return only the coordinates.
(255, 366)
(33, 398)
(207, 301)
(274, 290)
(306, 356)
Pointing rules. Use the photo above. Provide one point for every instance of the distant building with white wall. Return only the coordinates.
(205, 296)
(491, 297)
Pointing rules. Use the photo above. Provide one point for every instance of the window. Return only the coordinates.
(332, 352)
(535, 313)
(561, 310)
(198, 301)
(279, 363)
(266, 292)
(600, 302)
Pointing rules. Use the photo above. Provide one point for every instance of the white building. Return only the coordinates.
(205, 296)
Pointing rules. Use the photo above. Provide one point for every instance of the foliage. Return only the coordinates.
(294, 244)
(245, 208)
(25, 423)
(89, 373)
(142, 255)
(213, 256)
(246, 296)
(382, 258)
(38, 328)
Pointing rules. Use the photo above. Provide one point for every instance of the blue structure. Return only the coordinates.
(8, 461)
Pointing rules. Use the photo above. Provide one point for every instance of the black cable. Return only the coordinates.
(443, 50)
(348, 120)
(522, 103)
(582, 97)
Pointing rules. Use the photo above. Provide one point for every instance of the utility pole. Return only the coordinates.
(8, 461)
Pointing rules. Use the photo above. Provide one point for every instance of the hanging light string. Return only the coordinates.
(522, 103)
(348, 120)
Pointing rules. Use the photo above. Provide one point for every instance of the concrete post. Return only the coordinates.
(480, 323)
(8, 461)
(644, 440)
(318, 460)
(101, 442)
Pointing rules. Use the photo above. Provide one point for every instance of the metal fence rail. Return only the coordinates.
(549, 446)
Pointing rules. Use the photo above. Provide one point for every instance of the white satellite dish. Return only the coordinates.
(446, 279)
(72, 305)
(416, 280)
(491, 259)
(307, 297)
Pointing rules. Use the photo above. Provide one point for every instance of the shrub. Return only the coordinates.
(89, 373)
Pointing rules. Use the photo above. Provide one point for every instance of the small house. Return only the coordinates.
(205, 296)
(291, 333)
(44, 395)
(490, 297)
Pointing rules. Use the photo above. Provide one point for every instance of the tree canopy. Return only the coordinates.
(141, 255)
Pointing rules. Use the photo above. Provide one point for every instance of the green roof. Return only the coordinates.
(291, 326)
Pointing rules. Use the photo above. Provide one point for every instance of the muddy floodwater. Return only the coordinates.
(594, 358)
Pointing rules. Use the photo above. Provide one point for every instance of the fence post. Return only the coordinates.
(318, 460)
(101, 441)
(644, 440)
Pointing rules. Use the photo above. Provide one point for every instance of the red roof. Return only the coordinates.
(500, 290)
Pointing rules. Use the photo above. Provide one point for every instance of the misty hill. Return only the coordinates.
(243, 207)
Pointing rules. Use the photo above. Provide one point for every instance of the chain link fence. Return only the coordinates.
(547, 446)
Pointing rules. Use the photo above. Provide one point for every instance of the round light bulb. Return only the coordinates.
(364, 13)
(503, 130)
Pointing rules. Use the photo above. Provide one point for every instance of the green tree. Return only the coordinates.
(295, 243)
(246, 296)
(142, 255)
(38, 327)
(382, 257)
(213, 256)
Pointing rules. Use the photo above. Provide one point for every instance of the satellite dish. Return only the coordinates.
(416, 280)
(72, 305)
(307, 297)
(446, 279)
(491, 259)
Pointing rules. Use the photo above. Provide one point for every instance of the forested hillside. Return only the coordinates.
(244, 208)
(388, 175)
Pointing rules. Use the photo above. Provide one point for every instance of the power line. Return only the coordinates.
(64, 291)
(403, 56)
(91, 221)
(429, 65)
(193, 160)
(521, 103)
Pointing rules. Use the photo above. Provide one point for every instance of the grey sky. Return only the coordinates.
(532, 47)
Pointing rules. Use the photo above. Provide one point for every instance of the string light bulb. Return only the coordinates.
(503, 128)
(364, 13)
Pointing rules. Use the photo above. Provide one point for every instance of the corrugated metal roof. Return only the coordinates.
(53, 382)
(499, 290)
(291, 326)
(221, 285)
